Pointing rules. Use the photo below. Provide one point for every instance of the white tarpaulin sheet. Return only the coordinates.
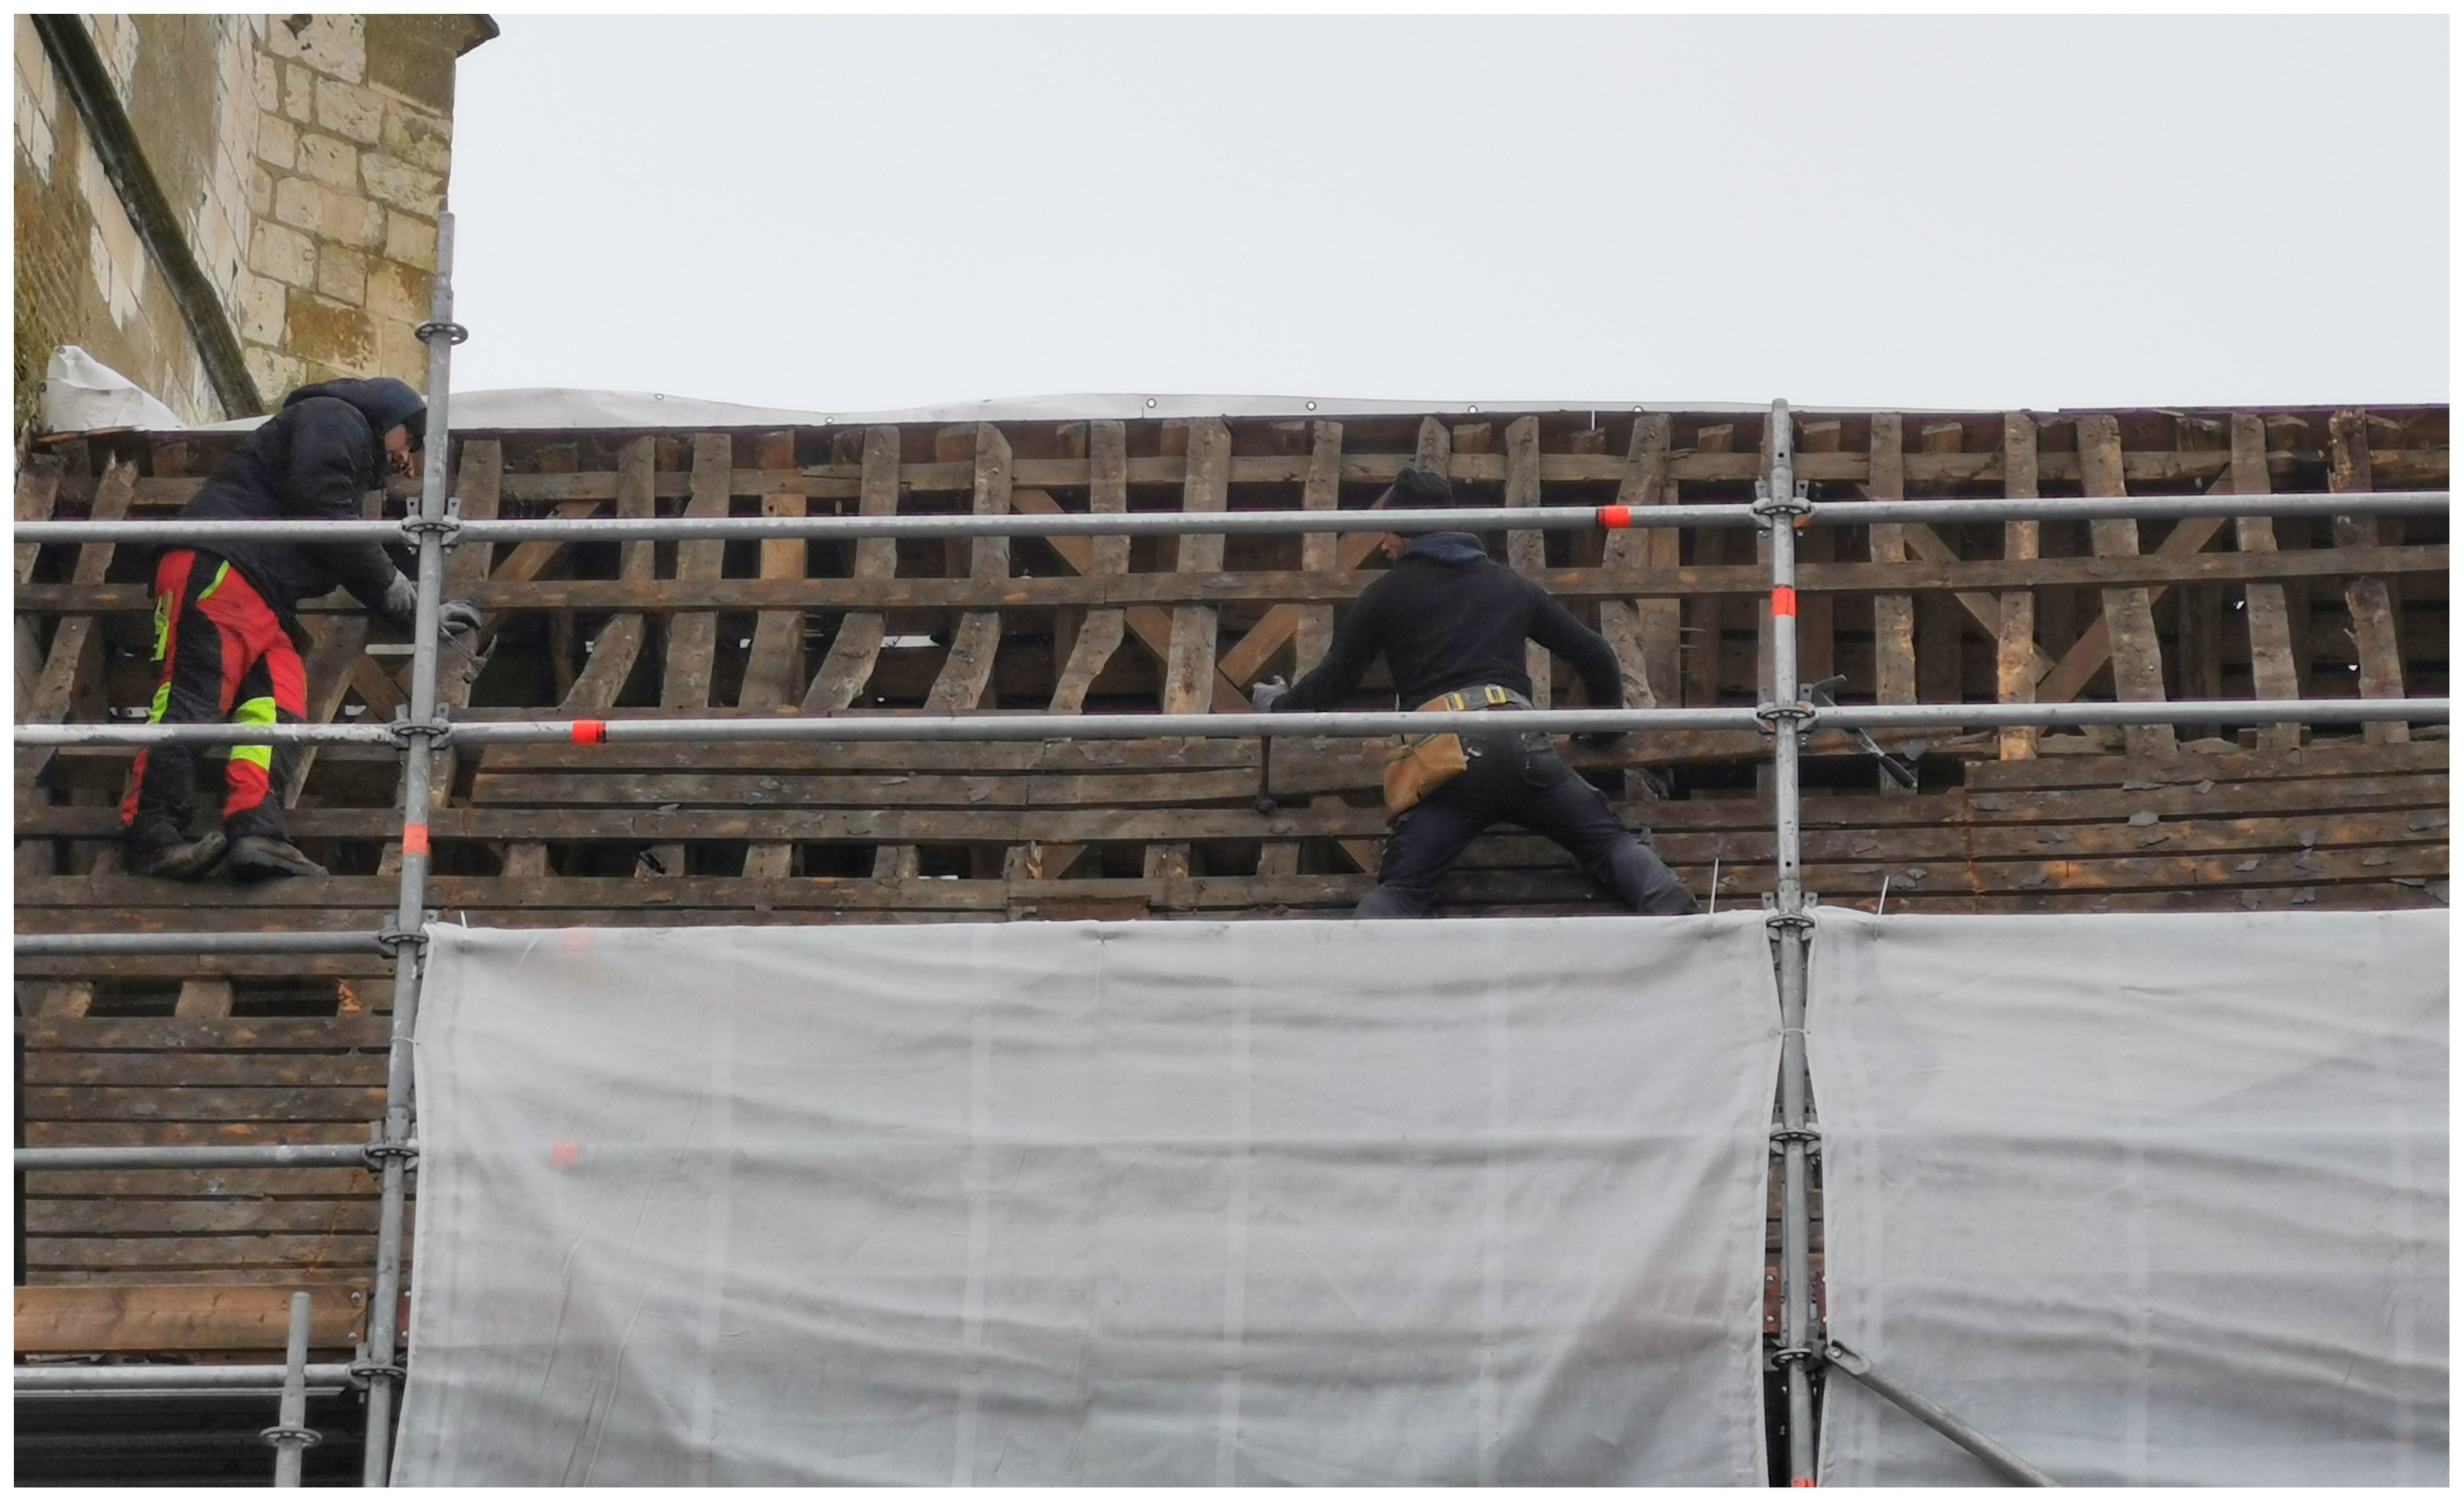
(2151, 1200)
(1316, 1202)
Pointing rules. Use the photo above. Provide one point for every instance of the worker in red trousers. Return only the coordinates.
(225, 618)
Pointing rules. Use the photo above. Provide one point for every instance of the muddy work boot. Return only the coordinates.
(253, 858)
(177, 860)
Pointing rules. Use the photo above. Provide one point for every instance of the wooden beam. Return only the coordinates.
(38, 488)
(1189, 671)
(1313, 626)
(73, 639)
(2371, 603)
(1816, 614)
(1526, 549)
(2272, 672)
(1644, 631)
(969, 669)
(2095, 645)
(1895, 620)
(857, 646)
(93, 1317)
(1101, 634)
(774, 672)
(693, 636)
(1150, 625)
(2138, 663)
(2015, 655)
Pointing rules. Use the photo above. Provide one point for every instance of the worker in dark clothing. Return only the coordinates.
(1452, 623)
(225, 618)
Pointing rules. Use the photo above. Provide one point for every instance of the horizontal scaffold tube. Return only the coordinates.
(1147, 726)
(158, 1377)
(289, 1155)
(1150, 524)
(55, 944)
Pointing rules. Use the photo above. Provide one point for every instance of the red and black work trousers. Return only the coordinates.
(224, 655)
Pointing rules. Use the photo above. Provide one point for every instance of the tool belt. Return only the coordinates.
(1421, 763)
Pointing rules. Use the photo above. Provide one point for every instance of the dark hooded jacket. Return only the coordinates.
(1449, 617)
(314, 459)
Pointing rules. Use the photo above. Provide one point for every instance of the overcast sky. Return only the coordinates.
(845, 213)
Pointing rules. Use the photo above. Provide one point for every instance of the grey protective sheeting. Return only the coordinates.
(1316, 1202)
(2151, 1200)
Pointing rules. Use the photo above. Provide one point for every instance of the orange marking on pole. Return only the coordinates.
(414, 839)
(1615, 517)
(1783, 601)
(589, 732)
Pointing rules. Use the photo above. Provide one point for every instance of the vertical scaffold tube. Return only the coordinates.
(1789, 925)
(385, 1300)
(291, 1435)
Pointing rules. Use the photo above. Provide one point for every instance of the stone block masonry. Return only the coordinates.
(304, 160)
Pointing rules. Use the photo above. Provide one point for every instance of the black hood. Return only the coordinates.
(384, 401)
(1446, 547)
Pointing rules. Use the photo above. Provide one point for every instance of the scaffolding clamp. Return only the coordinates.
(281, 1434)
(364, 1372)
(1782, 1136)
(1795, 1355)
(452, 329)
(393, 937)
(439, 732)
(1798, 505)
(379, 1152)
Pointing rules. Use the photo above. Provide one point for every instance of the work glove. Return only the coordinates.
(458, 614)
(400, 607)
(1264, 693)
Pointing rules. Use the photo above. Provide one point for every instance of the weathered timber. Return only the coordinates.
(2137, 664)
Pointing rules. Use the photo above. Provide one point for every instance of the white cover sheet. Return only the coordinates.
(2152, 1200)
(1316, 1202)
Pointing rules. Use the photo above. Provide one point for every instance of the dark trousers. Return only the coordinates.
(224, 655)
(1517, 779)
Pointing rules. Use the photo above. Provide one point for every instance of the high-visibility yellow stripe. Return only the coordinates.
(220, 574)
(162, 703)
(162, 627)
(254, 711)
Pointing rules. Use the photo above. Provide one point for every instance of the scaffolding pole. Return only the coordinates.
(288, 1155)
(1174, 524)
(30, 945)
(1037, 727)
(1780, 504)
(420, 741)
(160, 1378)
(290, 1436)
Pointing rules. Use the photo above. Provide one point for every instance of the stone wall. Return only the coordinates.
(303, 162)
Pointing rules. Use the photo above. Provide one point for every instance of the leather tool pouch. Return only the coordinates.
(1424, 763)
(1419, 765)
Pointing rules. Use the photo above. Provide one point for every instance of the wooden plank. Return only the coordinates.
(1190, 671)
(1941, 653)
(2138, 665)
(1313, 626)
(1816, 614)
(1895, 641)
(2015, 655)
(1101, 634)
(1651, 626)
(2271, 629)
(1150, 626)
(973, 645)
(693, 636)
(856, 649)
(1526, 549)
(204, 997)
(1706, 616)
(774, 672)
(480, 483)
(618, 646)
(73, 640)
(134, 1317)
(38, 488)
(2368, 598)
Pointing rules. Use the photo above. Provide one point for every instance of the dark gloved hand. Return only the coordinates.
(458, 614)
(1599, 740)
(1264, 693)
(400, 607)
